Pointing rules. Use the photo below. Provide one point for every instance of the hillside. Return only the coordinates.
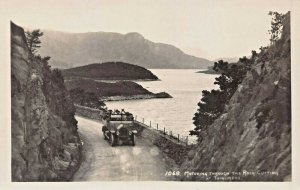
(45, 145)
(110, 71)
(110, 91)
(253, 135)
(76, 49)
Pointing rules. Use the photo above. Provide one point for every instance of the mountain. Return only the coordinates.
(76, 49)
(252, 137)
(110, 71)
(45, 145)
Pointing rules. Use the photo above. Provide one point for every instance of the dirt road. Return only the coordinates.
(102, 162)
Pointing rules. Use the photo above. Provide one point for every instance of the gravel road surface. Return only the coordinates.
(101, 162)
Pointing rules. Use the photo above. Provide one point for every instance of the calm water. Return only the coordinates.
(175, 114)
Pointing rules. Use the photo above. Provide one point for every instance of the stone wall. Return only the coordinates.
(176, 152)
(91, 113)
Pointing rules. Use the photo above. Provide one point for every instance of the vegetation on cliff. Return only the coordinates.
(110, 71)
(45, 142)
(213, 102)
(249, 133)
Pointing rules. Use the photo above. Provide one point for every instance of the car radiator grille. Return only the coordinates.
(124, 132)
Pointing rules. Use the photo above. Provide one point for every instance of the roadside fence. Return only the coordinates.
(162, 131)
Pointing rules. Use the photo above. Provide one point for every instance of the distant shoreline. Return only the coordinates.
(135, 97)
(110, 80)
(208, 71)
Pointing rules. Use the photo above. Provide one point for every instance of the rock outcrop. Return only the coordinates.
(253, 136)
(86, 91)
(110, 71)
(44, 138)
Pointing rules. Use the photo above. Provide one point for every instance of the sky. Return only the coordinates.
(204, 28)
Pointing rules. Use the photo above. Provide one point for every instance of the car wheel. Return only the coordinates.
(112, 139)
(132, 140)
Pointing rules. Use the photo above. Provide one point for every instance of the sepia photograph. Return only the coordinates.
(182, 92)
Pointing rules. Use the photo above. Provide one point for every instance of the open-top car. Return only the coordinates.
(118, 127)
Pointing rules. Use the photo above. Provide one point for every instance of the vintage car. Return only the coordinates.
(118, 127)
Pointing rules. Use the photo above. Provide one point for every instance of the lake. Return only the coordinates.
(175, 114)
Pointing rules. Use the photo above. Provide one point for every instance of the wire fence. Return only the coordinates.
(163, 131)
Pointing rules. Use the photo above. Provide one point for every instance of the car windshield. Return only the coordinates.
(121, 117)
(117, 115)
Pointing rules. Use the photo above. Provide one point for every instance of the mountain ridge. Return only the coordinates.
(77, 49)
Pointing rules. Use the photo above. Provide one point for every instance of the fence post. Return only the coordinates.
(136, 117)
(143, 120)
(157, 126)
(178, 137)
(171, 133)
(187, 140)
(164, 130)
(150, 123)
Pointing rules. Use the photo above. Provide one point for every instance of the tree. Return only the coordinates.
(254, 54)
(213, 102)
(210, 107)
(46, 59)
(57, 76)
(33, 40)
(276, 26)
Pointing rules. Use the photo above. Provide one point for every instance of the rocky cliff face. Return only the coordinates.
(44, 138)
(254, 133)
